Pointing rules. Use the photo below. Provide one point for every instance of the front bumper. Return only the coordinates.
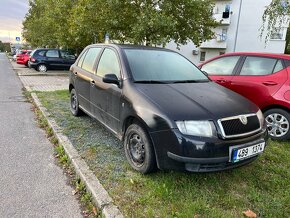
(199, 154)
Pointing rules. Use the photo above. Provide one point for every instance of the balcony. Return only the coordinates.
(223, 18)
(219, 42)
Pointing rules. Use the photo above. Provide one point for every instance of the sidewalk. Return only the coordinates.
(32, 185)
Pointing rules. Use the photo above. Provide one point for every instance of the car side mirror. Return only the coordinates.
(111, 78)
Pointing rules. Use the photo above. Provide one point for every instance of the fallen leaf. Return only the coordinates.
(74, 192)
(250, 214)
(131, 180)
(95, 211)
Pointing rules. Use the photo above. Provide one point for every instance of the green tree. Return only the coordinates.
(4, 46)
(274, 16)
(77, 23)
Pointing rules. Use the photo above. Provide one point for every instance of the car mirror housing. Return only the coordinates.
(111, 78)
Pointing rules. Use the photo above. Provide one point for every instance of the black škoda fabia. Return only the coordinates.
(166, 111)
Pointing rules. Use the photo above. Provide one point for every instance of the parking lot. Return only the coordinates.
(34, 81)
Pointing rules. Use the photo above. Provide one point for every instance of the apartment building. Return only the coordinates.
(238, 30)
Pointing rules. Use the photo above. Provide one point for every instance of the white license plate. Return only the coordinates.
(243, 153)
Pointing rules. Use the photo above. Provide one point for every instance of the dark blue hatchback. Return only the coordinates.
(43, 59)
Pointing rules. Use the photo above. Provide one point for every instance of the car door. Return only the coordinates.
(52, 59)
(105, 98)
(259, 78)
(83, 72)
(221, 70)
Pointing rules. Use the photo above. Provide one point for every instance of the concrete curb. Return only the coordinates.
(100, 196)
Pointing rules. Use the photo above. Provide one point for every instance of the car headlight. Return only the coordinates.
(261, 118)
(196, 128)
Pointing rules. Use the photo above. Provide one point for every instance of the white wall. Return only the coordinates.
(242, 36)
(248, 34)
(185, 50)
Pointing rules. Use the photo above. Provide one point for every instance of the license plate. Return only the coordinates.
(246, 152)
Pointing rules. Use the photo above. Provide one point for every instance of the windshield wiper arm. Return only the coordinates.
(191, 81)
(151, 81)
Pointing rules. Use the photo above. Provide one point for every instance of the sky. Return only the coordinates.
(12, 13)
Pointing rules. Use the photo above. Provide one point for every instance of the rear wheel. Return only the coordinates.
(74, 104)
(278, 123)
(42, 68)
(139, 150)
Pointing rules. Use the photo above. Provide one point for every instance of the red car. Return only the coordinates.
(23, 57)
(263, 78)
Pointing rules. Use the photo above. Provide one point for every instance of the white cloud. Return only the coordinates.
(12, 13)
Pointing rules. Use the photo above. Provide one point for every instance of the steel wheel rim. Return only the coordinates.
(42, 68)
(73, 101)
(277, 125)
(136, 149)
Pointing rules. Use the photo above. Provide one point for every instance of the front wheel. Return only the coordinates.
(278, 123)
(139, 150)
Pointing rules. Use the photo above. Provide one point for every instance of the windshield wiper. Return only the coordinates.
(151, 81)
(191, 81)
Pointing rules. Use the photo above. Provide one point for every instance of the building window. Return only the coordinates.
(278, 34)
(202, 56)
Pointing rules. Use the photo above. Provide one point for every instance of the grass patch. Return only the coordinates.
(263, 186)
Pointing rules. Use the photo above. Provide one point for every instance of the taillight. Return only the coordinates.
(32, 60)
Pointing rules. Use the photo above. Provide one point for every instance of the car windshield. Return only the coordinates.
(161, 66)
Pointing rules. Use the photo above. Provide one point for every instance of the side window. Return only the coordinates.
(258, 66)
(90, 59)
(52, 54)
(221, 66)
(41, 53)
(67, 55)
(278, 67)
(109, 64)
(81, 60)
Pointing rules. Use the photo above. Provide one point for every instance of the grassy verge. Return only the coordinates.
(84, 197)
(263, 186)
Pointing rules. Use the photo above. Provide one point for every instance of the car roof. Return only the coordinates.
(261, 54)
(131, 46)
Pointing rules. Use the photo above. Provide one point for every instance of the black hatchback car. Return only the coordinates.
(167, 112)
(43, 59)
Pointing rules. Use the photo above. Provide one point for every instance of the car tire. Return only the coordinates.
(278, 123)
(42, 68)
(139, 150)
(26, 64)
(74, 104)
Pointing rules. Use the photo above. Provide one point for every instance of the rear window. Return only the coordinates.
(259, 66)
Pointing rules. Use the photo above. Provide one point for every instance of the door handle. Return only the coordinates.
(269, 83)
(221, 81)
(92, 82)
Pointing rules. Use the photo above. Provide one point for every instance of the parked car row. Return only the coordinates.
(44, 59)
(168, 112)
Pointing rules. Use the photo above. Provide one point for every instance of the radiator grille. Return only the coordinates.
(234, 127)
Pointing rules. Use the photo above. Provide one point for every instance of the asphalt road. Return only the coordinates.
(31, 185)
